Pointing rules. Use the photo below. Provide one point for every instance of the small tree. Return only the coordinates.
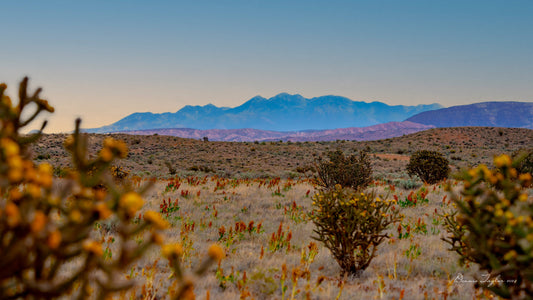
(348, 171)
(430, 166)
(351, 225)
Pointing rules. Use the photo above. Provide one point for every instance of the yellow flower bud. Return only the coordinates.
(54, 239)
(103, 211)
(34, 190)
(132, 202)
(15, 175)
(502, 161)
(93, 247)
(155, 219)
(106, 154)
(522, 198)
(510, 255)
(216, 252)
(172, 250)
(39, 221)
(10, 148)
(76, 216)
(13, 214)
(15, 195)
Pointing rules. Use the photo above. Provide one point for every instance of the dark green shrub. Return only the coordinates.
(493, 227)
(351, 225)
(430, 166)
(348, 171)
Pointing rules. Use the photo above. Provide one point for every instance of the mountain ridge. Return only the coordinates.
(511, 114)
(283, 112)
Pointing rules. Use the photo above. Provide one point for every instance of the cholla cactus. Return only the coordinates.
(46, 246)
(493, 226)
(351, 225)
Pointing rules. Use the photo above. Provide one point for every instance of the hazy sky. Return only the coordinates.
(103, 60)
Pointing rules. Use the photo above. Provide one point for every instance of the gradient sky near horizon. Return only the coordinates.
(102, 60)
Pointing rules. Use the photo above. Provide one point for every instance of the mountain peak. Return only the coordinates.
(287, 95)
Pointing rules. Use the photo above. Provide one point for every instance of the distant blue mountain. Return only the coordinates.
(489, 114)
(283, 112)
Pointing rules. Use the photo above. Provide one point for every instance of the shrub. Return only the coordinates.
(493, 226)
(171, 169)
(430, 166)
(348, 171)
(351, 225)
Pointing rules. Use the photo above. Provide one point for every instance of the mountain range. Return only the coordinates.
(283, 112)
(295, 118)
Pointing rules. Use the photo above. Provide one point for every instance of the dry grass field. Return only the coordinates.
(416, 266)
(254, 200)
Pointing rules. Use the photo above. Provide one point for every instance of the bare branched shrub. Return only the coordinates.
(430, 166)
(348, 171)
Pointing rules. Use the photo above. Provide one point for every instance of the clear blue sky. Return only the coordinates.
(103, 60)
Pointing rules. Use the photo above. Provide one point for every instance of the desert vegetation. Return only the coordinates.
(154, 217)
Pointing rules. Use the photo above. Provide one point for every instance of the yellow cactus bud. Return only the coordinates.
(39, 221)
(155, 219)
(34, 190)
(76, 216)
(54, 239)
(172, 250)
(12, 214)
(106, 154)
(216, 252)
(93, 247)
(132, 202)
(502, 161)
(510, 255)
(15, 195)
(103, 211)
(10, 148)
(522, 198)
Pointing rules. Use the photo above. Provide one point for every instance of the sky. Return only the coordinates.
(103, 60)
